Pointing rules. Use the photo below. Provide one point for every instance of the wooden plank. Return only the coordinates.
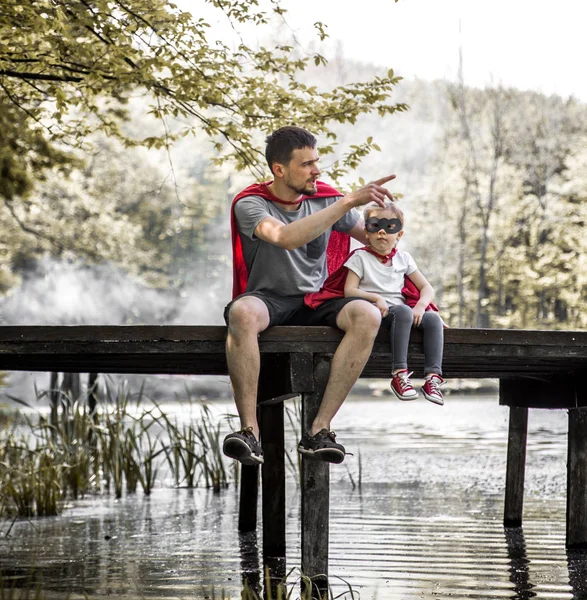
(302, 372)
(546, 392)
(248, 498)
(273, 477)
(322, 338)
(516, 467)
(284, 375)
(211, 364)
(164, 363)
(315, 484)
(199, 350)
(577, 479)
(217, 333)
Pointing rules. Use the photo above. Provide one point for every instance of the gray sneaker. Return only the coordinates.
(244, 447)
(322, 446)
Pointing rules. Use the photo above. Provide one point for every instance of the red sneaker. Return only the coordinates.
(431, 389)
(401, 386)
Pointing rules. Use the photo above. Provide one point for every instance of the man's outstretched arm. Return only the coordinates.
(305, 230)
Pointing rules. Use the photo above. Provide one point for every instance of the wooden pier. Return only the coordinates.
(536, 369)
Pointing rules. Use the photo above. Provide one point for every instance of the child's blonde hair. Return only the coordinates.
(374, 209)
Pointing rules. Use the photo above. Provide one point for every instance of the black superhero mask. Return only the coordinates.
(373, 225)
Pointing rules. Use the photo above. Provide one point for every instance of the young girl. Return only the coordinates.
(377, 274)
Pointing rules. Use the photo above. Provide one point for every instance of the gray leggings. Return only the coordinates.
(400, 321)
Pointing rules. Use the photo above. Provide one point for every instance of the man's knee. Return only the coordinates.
(359, 316)
(248, 314)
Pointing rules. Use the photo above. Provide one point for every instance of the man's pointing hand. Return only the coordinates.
(372, 192)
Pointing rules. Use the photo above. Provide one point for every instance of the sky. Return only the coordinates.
(529, 44)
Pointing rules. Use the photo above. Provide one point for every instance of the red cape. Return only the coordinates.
(334, 288)
(336, 251)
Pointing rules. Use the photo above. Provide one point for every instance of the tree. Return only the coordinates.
(510, 193)
(69, 68)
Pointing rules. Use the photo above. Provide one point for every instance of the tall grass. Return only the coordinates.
(294, 416)
(296, 585)
(30, 591)
(194, 451)
(44, 462)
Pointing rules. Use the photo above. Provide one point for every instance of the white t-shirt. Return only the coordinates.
(377, 278)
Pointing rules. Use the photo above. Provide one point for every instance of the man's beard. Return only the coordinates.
(309, 190)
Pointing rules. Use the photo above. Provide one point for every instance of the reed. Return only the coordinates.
(297, 585)
(211, 460)
(30, 479)
(30, 591)
(117, 447)
(182, 452)
(294, 417)
(143, 450)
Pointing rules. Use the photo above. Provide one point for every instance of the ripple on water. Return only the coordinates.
(426, 523)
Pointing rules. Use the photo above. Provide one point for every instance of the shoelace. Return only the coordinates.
(435, 384)
(328, 434)
(404, 379)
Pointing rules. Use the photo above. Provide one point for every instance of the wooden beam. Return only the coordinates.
(273, 477)
(516, 467)
(200, 350)
(548, 391)
(248, 498)
(280, 378)
(315, 483)
(577, 479)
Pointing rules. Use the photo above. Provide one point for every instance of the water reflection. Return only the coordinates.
(519, 569)
(577, 565)
(426, 524)
(250, 569)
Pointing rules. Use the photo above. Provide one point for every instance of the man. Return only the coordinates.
(283, 232)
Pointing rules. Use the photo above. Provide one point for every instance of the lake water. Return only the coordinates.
(424, 523)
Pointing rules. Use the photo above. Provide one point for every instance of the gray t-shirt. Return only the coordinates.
(274, 269)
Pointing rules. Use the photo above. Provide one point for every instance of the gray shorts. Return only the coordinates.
(291, 310)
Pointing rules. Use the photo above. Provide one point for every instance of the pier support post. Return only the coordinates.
(514, 393)
(249, 494)
(516, 467)
(577, 479)
(315, 489)
(273, 478)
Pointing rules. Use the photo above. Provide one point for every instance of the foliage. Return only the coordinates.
(510, 192)
(117, 208)
(84, 83)
(46, 461)
(68, 69)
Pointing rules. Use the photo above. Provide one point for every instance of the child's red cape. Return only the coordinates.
(334, 288)
(336, 251)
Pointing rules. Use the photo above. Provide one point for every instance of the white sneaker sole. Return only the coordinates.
(404, 398)
(433, 399)
(330, 455)
(240, 450)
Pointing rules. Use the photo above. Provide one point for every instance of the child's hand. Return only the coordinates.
(381, 304)
(418, 314)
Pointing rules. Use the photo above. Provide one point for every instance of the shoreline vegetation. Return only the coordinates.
(293, 583)
(163, 388)
(51, 458)
(63, 446)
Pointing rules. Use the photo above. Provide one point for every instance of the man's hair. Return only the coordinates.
(282, 143)
(373, 209)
